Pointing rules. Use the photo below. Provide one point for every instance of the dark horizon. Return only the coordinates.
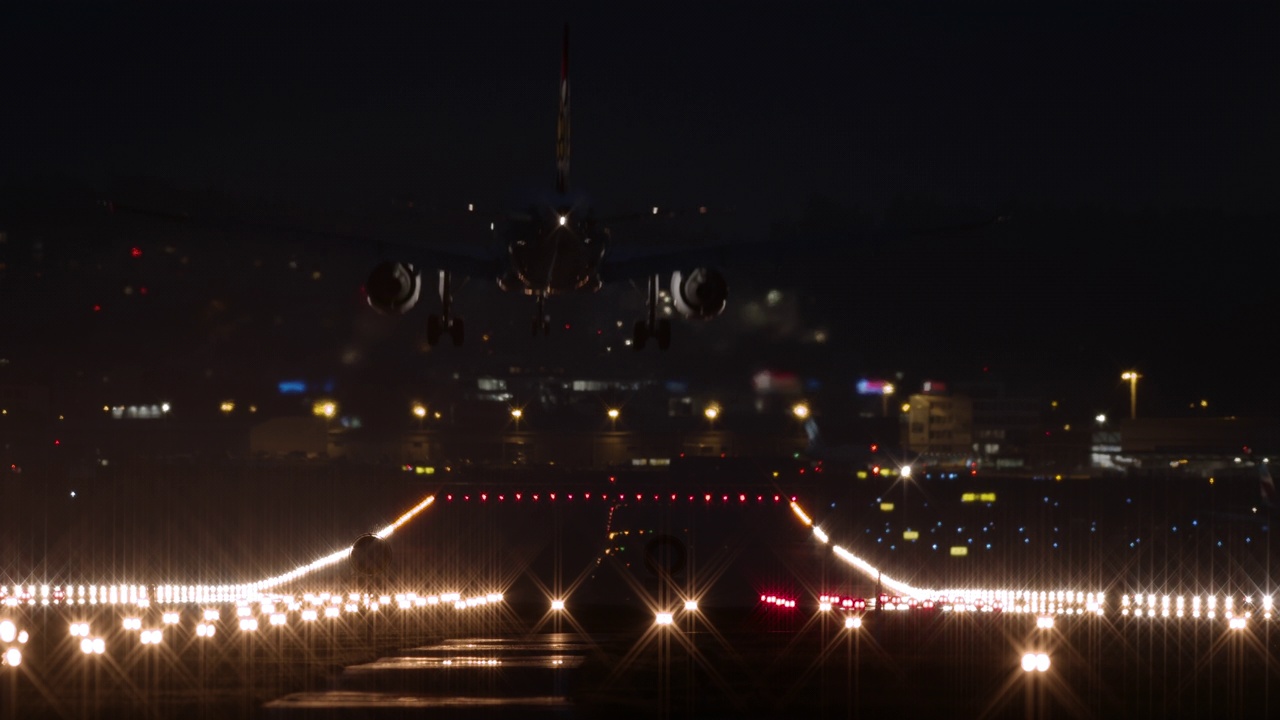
(1128, 147)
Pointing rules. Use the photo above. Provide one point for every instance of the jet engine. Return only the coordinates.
(393, 287)
(700, 294)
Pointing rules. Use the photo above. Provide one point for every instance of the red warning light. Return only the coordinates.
(874, 447)
(135, 252)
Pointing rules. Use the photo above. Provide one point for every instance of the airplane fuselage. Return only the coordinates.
(553, 253)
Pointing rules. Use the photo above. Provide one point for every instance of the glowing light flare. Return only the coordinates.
(873, 573)
(343, 554)
(664, 618)
(795, 508)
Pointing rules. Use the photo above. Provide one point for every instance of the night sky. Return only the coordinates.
(1130, 147)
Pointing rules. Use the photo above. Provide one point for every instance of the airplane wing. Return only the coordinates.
(782, 248)
(470, 252)
(639, 262)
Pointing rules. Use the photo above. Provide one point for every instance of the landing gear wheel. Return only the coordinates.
(435, 327)
(640, 335)
(663, 334)
(456, 331)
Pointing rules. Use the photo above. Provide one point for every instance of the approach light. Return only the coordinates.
(1035, 662)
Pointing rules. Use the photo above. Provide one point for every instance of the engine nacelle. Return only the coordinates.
(393, 287)
(700, 294)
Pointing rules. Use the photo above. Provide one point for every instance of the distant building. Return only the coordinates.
(1002, 433)
(940, 427)
(1195, 444)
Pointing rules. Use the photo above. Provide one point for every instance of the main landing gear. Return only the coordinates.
(541, 320)
(438, 325)
(652, 326)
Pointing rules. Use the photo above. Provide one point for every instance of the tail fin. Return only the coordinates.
(562, 124)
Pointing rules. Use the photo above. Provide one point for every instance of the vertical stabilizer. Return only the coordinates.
(562, 123)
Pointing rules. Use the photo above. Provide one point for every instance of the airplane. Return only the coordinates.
(551, 251)
(563, 248)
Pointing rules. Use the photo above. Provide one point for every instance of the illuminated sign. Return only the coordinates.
(291, 387)
(933, 386)
(768, 382)
(874, 387)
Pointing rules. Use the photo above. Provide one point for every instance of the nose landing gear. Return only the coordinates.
(438, 325)
(652, 326)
